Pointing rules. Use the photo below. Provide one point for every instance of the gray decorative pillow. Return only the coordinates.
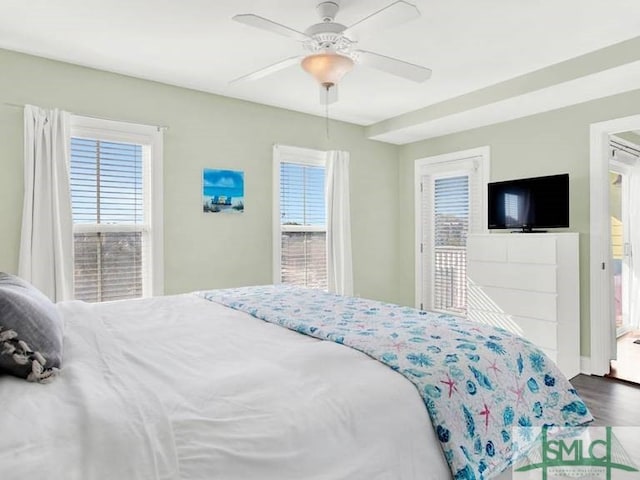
(30, 331)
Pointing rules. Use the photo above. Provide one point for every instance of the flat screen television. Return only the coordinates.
(529, 203)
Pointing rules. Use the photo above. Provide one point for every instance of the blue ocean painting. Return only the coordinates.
(222, 191)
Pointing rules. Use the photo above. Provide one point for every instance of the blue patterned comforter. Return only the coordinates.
(478, 382)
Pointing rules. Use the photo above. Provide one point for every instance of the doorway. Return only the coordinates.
(624, 169)
(603, 329)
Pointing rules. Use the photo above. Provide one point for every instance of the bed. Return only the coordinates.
(238, 385)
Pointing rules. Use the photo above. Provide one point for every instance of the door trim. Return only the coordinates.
(484, 154)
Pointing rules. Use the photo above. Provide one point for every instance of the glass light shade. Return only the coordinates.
(327, 68)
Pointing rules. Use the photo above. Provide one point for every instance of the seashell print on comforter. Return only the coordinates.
(478, 382)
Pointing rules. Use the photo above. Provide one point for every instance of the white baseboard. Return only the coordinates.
(585, 365)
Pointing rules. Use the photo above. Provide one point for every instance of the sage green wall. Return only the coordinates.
(205, 251)
(544, 144)
(214, 131)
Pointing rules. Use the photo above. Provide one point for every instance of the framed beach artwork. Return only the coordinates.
(222, 191)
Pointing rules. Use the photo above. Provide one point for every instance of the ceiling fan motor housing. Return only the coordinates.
(330, 27)
(328, 35)
(322, 39)
(328, 10)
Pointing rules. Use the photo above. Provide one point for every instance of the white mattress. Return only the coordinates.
(179, 387)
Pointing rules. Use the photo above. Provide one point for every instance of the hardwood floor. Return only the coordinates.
(614, 403)
(626, 367)
(611, 402)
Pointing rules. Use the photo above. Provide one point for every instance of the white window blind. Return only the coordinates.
(111, 225)
(451, 208)
(303, 225)
(450, 229)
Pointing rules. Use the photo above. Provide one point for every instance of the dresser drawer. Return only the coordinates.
(532, 248)
(487, 248)
(540, 332)
(531, 277)
(519, 303)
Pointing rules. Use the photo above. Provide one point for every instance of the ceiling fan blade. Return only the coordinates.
(394, 66)
(393, 14)
(328, 96)
(269, 25)
(263, 72)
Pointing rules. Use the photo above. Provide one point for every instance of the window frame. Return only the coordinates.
(151, 139)
(301, 156)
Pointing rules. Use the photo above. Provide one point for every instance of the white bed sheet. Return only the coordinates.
(178, 387)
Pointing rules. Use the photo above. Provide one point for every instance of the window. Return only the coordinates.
(116, 199)
(450, 204)
(300, 253)
(450, 228)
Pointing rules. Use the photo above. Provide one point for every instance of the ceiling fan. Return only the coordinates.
(330, 46)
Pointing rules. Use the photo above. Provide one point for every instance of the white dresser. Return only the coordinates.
(528, 283)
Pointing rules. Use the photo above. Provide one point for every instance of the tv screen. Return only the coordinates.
(529, 203)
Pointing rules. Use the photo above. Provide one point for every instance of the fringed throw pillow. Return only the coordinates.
(30, 331)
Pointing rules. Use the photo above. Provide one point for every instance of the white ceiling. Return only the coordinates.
(469, 45)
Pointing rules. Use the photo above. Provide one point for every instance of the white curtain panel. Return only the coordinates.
(46, 245)
(634, 240)
(340, 269)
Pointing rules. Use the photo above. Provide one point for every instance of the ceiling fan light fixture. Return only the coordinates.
(327, 68)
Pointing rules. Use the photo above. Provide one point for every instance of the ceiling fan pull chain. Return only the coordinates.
(326, 109)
